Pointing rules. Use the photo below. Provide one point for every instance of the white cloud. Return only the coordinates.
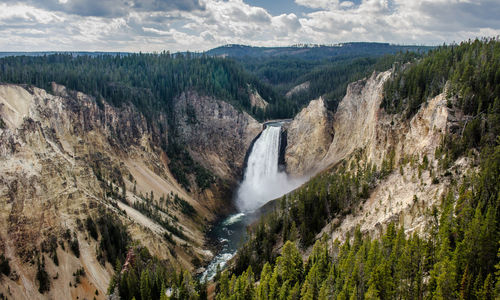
(156, 31)
(346, 4)
(203, 24)
(26, 13)
(323, 4)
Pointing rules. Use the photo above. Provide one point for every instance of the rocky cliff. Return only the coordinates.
(65, 157)
(308, 137)
(256, 100)
(406, 148)
(357, 119)
(365, 134)
(217, 135)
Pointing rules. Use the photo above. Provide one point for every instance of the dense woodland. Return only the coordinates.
(148, 81)
(471, 69)
(328, 70)
(458, 259)
(312, 52)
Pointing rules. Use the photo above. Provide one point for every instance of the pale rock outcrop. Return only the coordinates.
(356, 118)
(298, 88)
(256, 100)
(308, 137)
(360, 123)
(365, 133)
(216, 134)
(407, 193)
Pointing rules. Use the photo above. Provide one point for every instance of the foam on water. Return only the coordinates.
(233, 219)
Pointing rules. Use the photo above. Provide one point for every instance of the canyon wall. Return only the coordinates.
(309, 136)
(363, 133)
(216, 134)
(64, 157)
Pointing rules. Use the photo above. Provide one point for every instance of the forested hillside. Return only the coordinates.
(149, 81)
(313, 52)
(456, 258)
(330, 80)
(328, 69)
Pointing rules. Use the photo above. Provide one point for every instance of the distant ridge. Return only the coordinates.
(313, 51)
(74, 53)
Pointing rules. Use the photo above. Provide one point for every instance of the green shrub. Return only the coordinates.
(75, 247)
(4, 265)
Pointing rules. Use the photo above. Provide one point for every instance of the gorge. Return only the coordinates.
(112, 173)
(262, 181)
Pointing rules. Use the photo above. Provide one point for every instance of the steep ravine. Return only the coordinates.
(61, 151)
(64, 157)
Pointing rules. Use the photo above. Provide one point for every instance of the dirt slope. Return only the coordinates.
(64, 157)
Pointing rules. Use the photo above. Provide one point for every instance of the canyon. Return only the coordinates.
(66, 156)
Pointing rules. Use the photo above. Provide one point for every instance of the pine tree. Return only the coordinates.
(310, 288)
(263, 287)
(223, 287)
(497, 273)
(327, 290)
(294, 292)
(372, 293)
(487, 292)
(145, 285)
(290, 264)
(274, 285)
(446, 280)
(465, 285)
(284, 291)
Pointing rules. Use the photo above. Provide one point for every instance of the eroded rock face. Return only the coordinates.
(216, 134)
(407, 192)
(356, 118)
(317, 139)
(59, 153)
(365, 134)
(361, 124)
(309, 136)
(256, 100)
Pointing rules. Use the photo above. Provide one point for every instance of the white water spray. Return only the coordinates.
(262, 180)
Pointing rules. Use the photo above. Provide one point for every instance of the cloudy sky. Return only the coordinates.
(175, 25)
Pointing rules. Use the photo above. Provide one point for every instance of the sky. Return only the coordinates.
(198, 25)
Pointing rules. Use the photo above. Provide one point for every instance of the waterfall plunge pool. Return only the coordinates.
(262, 182)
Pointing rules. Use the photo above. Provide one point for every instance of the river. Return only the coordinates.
(262, 182)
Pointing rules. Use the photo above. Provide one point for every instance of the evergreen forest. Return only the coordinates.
(459, 256)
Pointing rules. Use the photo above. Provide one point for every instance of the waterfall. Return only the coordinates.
(262, 180)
